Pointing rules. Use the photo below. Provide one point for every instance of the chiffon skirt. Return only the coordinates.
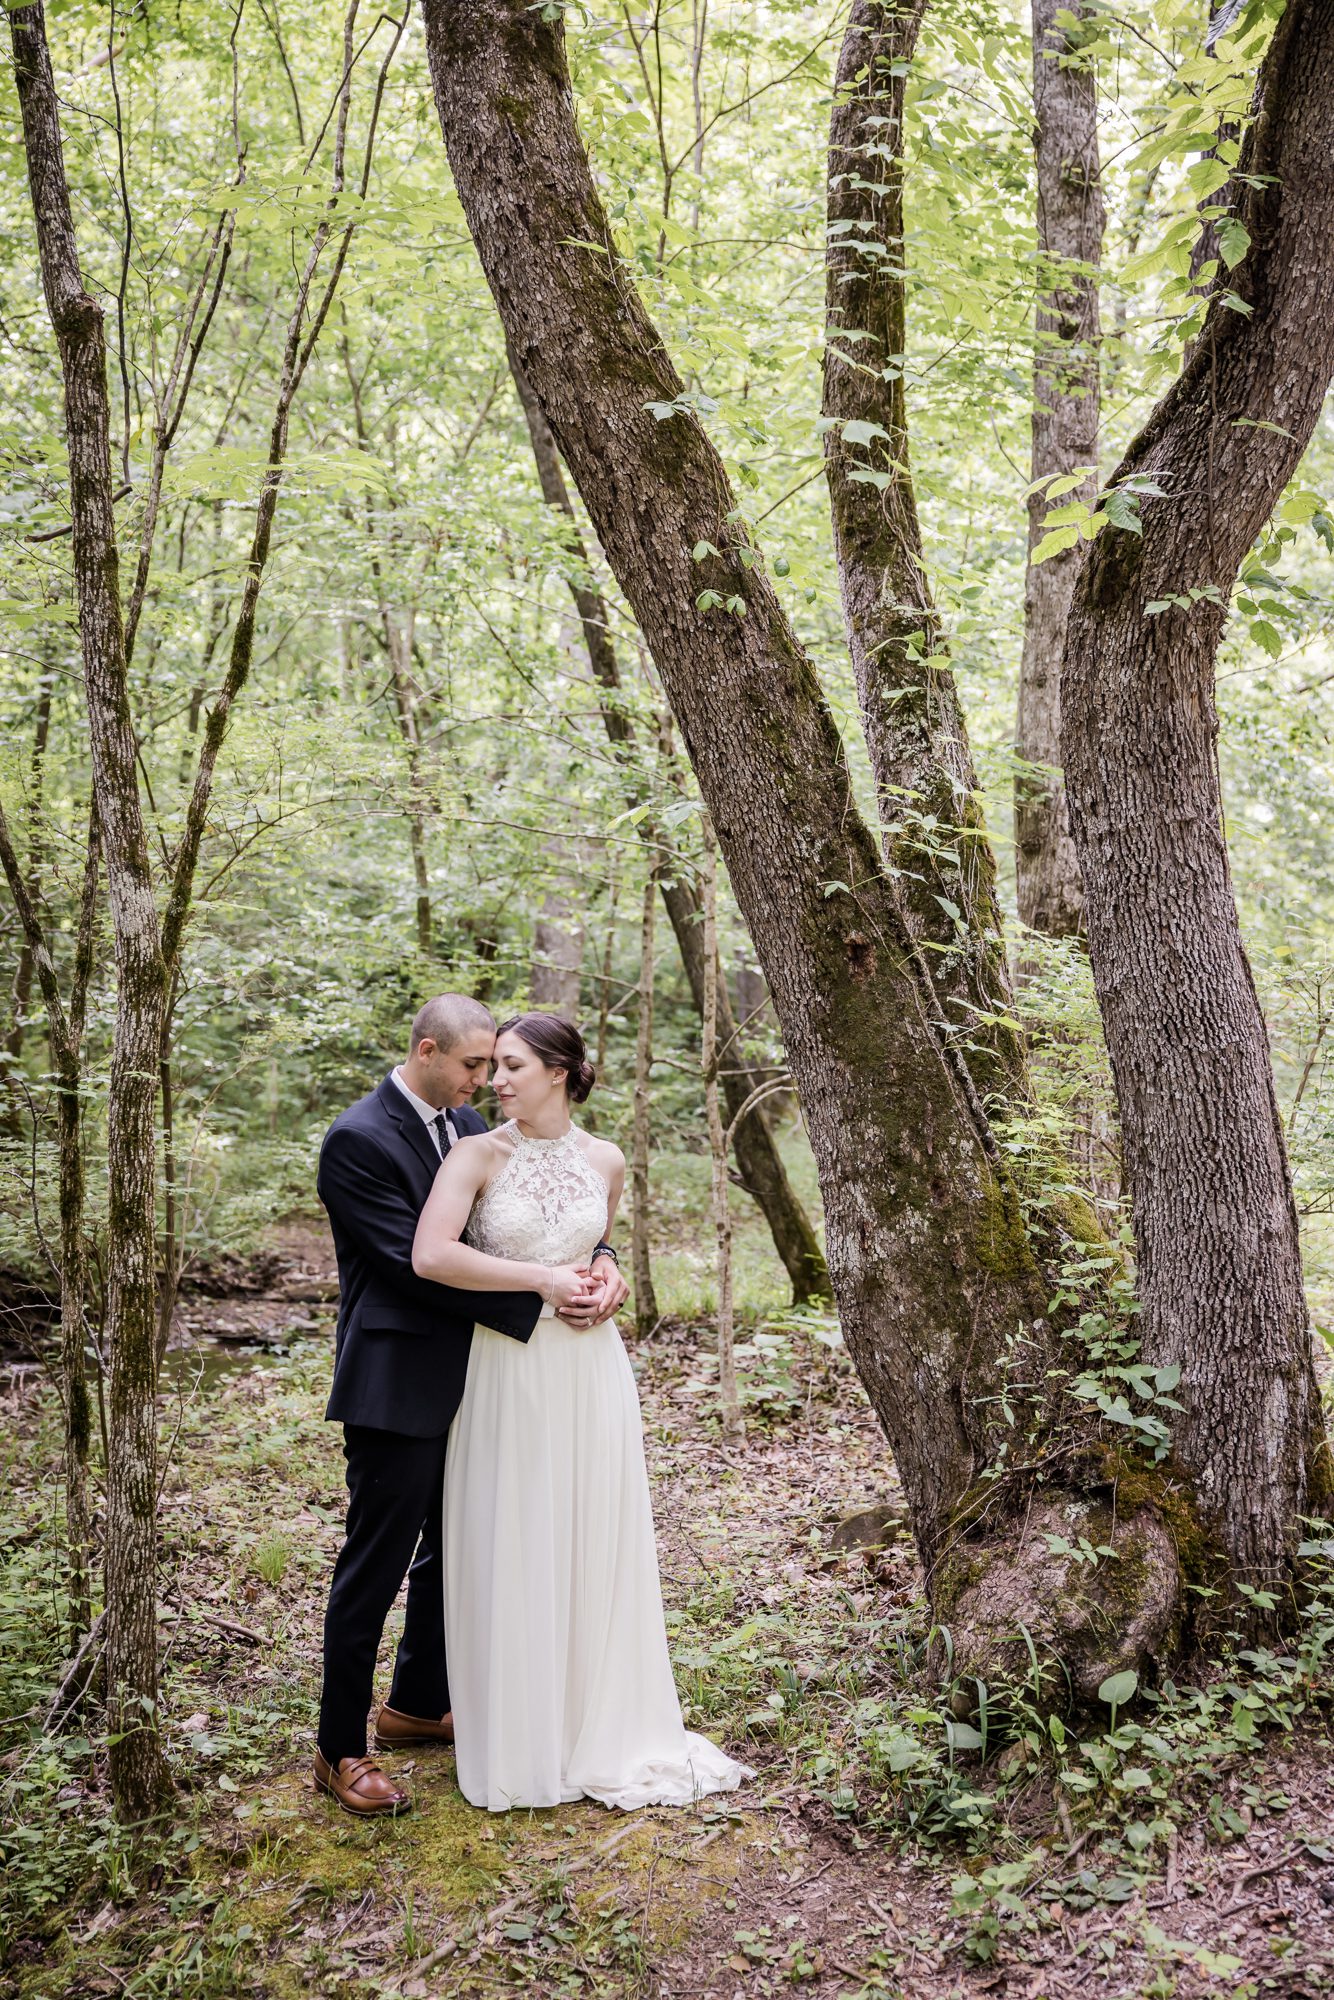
(558, 1669)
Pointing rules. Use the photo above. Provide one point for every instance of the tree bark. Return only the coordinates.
(729, 1401)
(24, 971)
(1215, 1224)
(138, 1768)
(65, 1033)
(1066, 413)
(641, 1257)
(762, 1171)
(558, 955)
(935, 839)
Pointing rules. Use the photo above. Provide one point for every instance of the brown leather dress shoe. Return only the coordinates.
(395, 1731)
(360, 1786)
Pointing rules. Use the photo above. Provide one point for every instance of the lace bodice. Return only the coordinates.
(547, 1205)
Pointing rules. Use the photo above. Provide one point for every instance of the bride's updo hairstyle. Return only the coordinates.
(560, 1045)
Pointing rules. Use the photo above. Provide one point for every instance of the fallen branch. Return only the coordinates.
(75, 1680)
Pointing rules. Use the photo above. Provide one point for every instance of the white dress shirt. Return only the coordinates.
(428, 1113)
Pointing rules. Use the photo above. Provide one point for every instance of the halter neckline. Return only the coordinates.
(523, 1139)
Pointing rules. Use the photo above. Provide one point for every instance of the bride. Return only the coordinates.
(558, 1665)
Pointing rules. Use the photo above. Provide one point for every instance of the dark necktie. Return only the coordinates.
(440, 1125)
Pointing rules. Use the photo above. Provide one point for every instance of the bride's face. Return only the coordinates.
(524, 1084)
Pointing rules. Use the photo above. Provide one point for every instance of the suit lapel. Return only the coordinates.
(415, 1134)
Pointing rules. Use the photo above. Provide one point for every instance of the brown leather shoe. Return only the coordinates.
(395, 1731)
(360, 1786)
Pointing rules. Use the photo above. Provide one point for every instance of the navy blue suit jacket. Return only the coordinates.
(401, 1350)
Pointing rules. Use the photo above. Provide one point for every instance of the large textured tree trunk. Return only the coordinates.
(1065, 442)
(757, 1156)
(915, 732)
(138, 1769)
(927, 1252)
(1219, 1268)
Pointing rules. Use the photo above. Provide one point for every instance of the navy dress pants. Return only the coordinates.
(395, 1490)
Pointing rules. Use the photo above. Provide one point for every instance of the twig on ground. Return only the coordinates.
(74, 1683)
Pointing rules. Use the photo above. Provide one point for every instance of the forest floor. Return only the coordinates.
(878, 1850)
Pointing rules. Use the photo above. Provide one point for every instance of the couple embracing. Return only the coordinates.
(493, 1441)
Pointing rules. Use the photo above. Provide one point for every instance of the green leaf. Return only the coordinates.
(963, 1735)
(1122, 510)
(1233, 242)
(857, 432)
(1206, 177)
(1053, 543)
(1117, 1689)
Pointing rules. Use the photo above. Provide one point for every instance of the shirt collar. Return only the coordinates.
(426, 1112)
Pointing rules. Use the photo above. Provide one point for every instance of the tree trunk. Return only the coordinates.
(1065, 442)
(24, 970)
(729, 1401)
(65, 1032)
(558, 955)
(1219, 1267)
(931, 821)
(757, 1156)
(641, 1259)
(138, 1769)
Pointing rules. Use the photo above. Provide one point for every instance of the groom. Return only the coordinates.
(401, 1359)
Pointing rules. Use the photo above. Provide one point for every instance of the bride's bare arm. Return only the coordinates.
(437, 1252)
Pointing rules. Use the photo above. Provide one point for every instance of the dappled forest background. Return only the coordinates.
(395, 730)
(419, 671)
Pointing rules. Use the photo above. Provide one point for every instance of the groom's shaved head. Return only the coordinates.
(448, 1018)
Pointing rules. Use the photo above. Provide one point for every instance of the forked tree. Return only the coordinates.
(943, 1303)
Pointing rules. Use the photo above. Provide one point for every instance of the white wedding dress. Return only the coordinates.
(558, 1670)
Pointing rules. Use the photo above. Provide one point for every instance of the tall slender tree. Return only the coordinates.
(137, 1763)
(934, 835)
(1066, 413)
(148, 949)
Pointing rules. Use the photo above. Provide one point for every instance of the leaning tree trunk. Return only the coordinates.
(1219, 1267)
(138, 1769)
(943, 1308)
(762, 1171)
(926, 785)
(1065, 444)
